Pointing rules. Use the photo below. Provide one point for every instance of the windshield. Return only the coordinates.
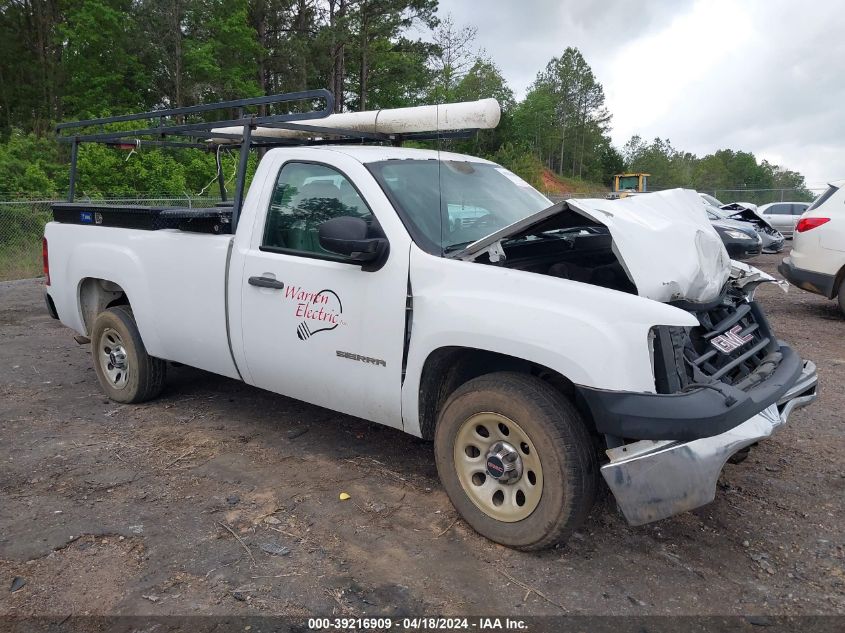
(711, 200)
(473, 199)
(719, 213)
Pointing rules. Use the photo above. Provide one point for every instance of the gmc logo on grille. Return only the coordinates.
(730, 340)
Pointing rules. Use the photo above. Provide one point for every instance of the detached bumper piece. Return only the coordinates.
(652, 480)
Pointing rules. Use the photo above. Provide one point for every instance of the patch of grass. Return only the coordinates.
(20, 261)
(21, 227)
(552, 183)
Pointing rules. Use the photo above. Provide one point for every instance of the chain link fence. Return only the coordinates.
(22, 226)
(765, 196)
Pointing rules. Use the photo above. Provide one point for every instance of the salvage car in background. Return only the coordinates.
(783, 215)
(772, 239)
(740, 240)
(817, 260)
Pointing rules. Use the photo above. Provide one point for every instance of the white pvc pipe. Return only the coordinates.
(482, 114)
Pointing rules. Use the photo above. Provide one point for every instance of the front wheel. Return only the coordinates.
(516, 460)
(126, 372)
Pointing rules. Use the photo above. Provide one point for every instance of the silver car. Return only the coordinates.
(783, 215)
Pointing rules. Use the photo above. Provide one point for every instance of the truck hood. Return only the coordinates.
(663, 240)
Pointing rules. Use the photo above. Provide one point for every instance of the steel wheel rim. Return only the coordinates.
(508, 502)
(114, 360)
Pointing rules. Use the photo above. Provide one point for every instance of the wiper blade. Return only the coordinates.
(458, 246)
(505, 232)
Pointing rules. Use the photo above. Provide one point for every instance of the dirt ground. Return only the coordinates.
(222, 499)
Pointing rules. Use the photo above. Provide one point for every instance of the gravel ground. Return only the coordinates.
(222, 499)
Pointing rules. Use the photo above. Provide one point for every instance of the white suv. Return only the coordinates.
(817, 260)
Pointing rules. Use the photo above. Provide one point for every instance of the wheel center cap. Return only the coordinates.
(117, 357)
(504, 463)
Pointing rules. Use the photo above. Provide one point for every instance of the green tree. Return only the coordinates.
(564, 118)
(454, 56)
(30, 166)
(377, 26)
(100, 63)
(485, 81)
(220, 51)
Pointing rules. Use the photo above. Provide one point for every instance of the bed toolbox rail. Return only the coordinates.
(215, 220)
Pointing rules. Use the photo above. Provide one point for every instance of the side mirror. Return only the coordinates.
(347, 235)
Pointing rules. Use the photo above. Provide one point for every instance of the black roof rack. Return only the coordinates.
(171, 130)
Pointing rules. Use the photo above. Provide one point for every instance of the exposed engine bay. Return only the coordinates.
(583, 254)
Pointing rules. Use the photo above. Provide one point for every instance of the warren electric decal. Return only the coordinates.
(319, 311)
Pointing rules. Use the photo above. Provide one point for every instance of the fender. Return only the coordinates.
(593, 336)
(124, 269)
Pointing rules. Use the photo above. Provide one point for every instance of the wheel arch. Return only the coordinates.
(447, 368)
(95, 295)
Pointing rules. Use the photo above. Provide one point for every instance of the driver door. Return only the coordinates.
(315, 326)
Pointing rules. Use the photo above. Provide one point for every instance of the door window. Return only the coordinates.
(305, 196)
(798, 209)
(779, 209)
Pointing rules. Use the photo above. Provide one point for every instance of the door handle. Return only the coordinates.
(266, 282)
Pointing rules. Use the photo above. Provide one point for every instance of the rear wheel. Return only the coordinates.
(841, 297)
(125, 371)
(516, 460)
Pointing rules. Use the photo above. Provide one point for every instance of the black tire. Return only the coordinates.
(563, 446)
(841, 297)
(144, 376)
(740, 456)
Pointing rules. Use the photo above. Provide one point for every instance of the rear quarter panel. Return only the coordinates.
(822, 249)
(174, 281)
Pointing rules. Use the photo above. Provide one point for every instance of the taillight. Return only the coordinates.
(46, 259)
(805, 224)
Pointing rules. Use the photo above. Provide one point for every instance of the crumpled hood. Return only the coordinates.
(665, 243)
(663, 240)
(739, 213)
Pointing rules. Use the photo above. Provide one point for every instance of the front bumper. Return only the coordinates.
(744, 249)
(689, 415)
(652, 480)
(772, 244)
(819, 283)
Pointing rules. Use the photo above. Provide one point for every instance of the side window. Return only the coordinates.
(305, 196)
(779, 209)
(798, 209)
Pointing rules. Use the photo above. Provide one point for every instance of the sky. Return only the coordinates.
(766, 76)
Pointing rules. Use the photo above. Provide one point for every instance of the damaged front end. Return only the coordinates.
(772, 240)
(721, 386)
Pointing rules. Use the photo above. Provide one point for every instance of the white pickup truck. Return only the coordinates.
(536, 344)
